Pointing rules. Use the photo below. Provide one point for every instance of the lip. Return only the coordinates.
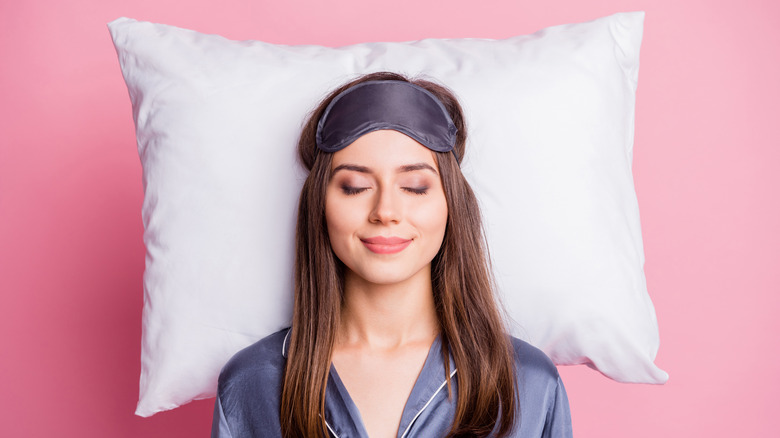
(386, 245)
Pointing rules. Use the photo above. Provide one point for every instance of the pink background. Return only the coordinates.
(72, 256)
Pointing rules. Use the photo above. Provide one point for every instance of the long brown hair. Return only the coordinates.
(463, 288)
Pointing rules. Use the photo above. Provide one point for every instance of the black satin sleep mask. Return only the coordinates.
(397, 105)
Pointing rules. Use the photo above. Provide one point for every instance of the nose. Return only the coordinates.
(387, 207)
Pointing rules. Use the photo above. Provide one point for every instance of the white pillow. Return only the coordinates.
(551, 121)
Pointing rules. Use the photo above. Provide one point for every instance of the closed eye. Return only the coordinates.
(349, 190)
(417, 190)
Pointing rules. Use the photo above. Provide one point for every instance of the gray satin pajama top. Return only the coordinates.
(250, 387)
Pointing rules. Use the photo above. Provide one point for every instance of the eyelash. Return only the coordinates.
(420, 191)
(353, 190)
(348, 190)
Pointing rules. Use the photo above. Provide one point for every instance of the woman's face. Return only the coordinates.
(385, 207)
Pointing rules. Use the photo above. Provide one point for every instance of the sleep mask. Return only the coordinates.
(386, 104)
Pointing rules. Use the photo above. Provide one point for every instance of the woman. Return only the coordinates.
(396, 331)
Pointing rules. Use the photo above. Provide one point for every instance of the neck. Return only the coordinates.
(386, 316)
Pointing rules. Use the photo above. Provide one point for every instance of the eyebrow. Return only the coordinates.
(401, 169)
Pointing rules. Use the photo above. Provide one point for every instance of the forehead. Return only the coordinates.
(384, 148)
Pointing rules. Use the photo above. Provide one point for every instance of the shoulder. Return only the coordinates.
(543, 402)
(250, 387)
(532, 357)
(257, 366)
(534, 367)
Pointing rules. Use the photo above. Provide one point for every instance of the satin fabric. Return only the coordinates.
(249, 391)
(386, 104)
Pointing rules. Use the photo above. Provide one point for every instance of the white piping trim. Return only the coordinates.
(329, 428)
(426, 404)
(284, 344)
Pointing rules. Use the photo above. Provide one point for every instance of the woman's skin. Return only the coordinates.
(385, 184)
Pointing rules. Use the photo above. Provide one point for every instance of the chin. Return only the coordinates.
(387, 275)
(384, 279)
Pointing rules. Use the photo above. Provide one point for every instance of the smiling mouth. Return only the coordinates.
(386, 245)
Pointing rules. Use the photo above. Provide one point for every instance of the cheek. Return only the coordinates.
(340, 218)
(334, 217)
(433, 217)
(335, 233)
